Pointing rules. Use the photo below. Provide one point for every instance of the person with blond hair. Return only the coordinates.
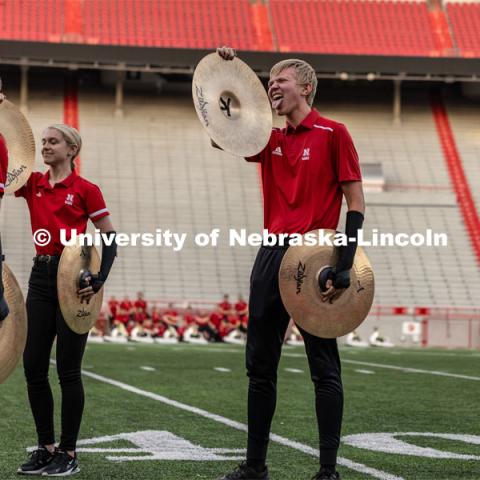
(307, 169)
(59, 199)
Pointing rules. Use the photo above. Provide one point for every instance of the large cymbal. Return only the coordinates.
(20, 143)
(13, 330)
(80, 317)
(298, 279)
(232, 105)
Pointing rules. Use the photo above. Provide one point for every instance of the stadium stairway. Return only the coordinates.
(463, 117)
(418, 196)
(458, 177)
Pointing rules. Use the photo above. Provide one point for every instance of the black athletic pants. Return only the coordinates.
(268, 322)
(45, 322)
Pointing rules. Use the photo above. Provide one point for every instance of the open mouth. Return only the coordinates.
(276, 100)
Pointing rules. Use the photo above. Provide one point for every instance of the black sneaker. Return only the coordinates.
(38, 461)
(62, 465)
(244, 472)
(326, 474)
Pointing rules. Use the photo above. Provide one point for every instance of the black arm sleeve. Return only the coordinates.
(109, 252)
(4, 311)
(353, 224)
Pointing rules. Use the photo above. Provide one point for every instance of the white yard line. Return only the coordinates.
(402, 369)
(413, 370)
(373, 472)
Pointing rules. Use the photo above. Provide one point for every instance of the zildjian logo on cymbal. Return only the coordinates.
(300, 276)
(83, 313)
(13, 175)
(202, 104)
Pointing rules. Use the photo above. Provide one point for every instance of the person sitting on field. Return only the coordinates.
(170, 317)
(295, 337)
(206, 327)
(139, 315)
(126, 305)
(215, 320)
(113, 305)
(142, 333)
(95, 335)
(170, 322)
(241, 309)
(121, 315)
(378, 340)
(119, 333)
(225, 307)
(193, 335)
(140, 303)
(234, 334)
(354, 340)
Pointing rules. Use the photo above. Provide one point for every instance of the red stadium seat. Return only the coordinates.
(353, 26)
(465, 22)
(375, 27)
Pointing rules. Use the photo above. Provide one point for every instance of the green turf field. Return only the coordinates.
(417, 397)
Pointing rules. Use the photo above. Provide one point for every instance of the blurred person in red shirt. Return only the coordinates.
(126, 305)
(241, 308)
(140, 302)
(139, 315)
(225, 306)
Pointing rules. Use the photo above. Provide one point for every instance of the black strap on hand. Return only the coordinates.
(346, 256)
(109, 252)
(4, 310)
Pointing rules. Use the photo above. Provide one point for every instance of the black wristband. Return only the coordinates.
(1, 273)
(346, 256)
(4, 311)
(109, 252)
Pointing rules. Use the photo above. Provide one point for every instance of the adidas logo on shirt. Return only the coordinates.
(306, 154)
(277, 151)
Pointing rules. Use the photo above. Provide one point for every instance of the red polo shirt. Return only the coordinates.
(68, 205)
(302, 172)
(3, 164)
(141, 304)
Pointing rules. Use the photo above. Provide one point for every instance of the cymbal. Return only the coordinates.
(80, 317)
(20, 144)
(13, 330)
(232, 105)
(300, 292)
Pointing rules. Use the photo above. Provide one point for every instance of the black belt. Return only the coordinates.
(286, 243)
(54, 259)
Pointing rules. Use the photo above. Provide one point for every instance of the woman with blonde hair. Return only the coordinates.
(58, 200)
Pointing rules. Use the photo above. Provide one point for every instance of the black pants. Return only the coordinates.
(268, 322)
(45, 322)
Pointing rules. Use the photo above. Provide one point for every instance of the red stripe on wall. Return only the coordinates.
(457, 174)
(70, 107)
